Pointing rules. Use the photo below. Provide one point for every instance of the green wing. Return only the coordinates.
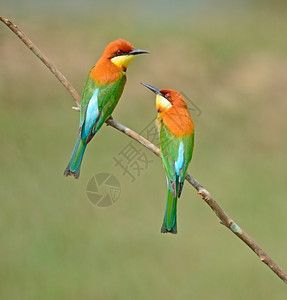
(88, 91)
(176, 156)
(107, 98)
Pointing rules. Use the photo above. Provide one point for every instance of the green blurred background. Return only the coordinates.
(230, 58)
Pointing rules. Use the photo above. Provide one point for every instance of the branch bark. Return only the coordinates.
(22, 36)
(202, 192)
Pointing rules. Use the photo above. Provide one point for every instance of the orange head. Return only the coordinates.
(172, 110)
(121, 53)
(167, 98)
(115, 60)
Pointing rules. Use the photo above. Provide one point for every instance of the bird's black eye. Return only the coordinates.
(119, 52)
(167, 95)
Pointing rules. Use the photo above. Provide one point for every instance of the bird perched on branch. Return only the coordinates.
(102, 91)
(176, 134)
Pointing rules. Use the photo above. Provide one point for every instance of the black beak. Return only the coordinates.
(152, 88)
(137, 51)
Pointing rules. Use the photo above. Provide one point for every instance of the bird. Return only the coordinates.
(176, 138)
(102, 91)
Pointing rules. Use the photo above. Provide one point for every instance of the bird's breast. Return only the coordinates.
(178, 122)
(105, 72)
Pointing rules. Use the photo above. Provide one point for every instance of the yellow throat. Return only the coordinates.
(122, 61)
(162, 104)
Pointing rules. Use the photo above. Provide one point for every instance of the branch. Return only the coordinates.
(22, 36)
(202, 192)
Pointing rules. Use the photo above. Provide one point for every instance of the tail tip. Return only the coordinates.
(164, 229)
(69, 172)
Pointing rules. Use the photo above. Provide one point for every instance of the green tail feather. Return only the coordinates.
(169, 221)
(73, 168)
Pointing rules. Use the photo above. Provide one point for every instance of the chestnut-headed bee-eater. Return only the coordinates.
(102, 91)
(176, 136)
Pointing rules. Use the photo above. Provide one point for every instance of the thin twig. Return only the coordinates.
(22, 36)
(202, 192)
(206, 196)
